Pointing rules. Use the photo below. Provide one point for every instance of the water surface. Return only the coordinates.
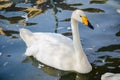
(102, 45)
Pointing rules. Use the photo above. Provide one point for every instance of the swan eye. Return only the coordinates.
(80, 16)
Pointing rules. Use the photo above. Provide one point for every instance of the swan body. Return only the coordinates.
(58, 51)
(110, 76)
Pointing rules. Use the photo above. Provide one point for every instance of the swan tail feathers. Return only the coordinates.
(31, 51)
(26, 35)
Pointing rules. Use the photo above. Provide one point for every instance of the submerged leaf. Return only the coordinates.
(67, 34)
(93, 10)
(109, 48)
(65, 20)
(5, 4)
(1, 32)
(10, 32)
(118, 33)
(38, 2)
(98, 1)
(32, 12)
(12, 20)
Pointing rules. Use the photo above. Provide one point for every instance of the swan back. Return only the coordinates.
(26, 35)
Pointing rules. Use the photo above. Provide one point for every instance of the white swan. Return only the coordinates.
(118, 10)
(110, 76)
(58, 51)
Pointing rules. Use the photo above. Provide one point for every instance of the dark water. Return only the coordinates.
(102, 45)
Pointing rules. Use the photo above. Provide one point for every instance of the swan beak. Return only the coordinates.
(86, 22)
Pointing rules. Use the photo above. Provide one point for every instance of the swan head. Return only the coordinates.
(80, 16)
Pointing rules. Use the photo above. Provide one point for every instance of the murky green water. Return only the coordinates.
(101, 45)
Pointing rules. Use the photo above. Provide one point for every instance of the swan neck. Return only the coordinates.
(76, 39)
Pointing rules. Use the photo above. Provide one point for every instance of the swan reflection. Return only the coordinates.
(54, 72)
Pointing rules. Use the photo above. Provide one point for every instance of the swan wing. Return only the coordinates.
(51, 44)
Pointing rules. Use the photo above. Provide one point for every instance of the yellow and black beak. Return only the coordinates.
(86, 22)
